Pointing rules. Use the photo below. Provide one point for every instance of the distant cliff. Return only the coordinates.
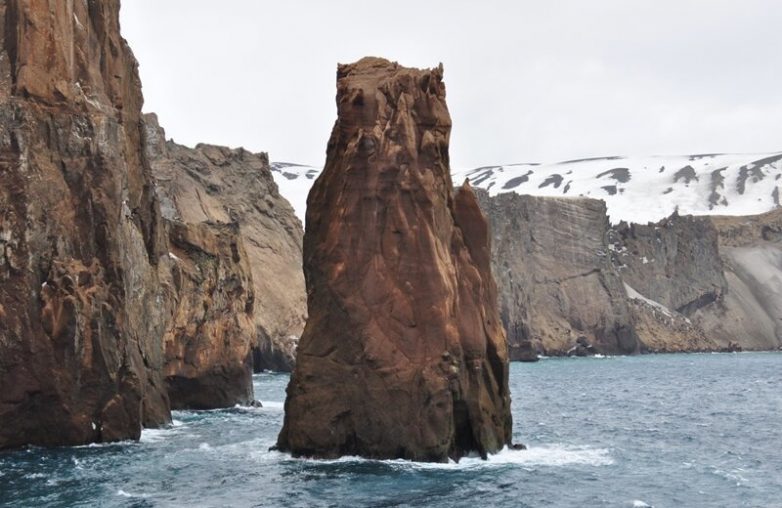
(555, 276)
(682, 284)
(210, 186)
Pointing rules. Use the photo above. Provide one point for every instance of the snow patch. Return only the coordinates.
(635, 295)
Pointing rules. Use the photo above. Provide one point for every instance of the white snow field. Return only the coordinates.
(635, 189)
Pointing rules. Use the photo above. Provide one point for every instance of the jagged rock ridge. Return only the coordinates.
(403, 354)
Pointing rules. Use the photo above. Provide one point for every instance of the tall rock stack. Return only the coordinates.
(403, 354)
(81, 306)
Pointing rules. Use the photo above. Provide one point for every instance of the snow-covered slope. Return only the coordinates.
(643, 189)
(635, 189)
(294, 182)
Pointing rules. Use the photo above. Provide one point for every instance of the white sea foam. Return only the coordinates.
(272, 404)
(536, 456)
(123, 493)
(640, 504)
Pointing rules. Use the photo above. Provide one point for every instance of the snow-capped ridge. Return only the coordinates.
(635, 189)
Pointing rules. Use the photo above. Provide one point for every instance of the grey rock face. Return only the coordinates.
(675, 262)
(555, 276)
(750, 314)
(683, 284)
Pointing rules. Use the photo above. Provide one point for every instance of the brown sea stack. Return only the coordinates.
(403, 354)
(82, 311)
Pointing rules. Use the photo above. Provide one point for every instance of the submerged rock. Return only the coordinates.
(523, 351)
(82, 309)
(403, 354)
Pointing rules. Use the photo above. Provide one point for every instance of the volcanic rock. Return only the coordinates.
(749, 312)
(555, 275)
(209, 187)
(208, 341)
(81, 240)
(403, 354)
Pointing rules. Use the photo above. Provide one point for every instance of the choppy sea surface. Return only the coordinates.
(696, 430)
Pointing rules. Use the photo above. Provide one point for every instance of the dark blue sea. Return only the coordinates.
(696, 430)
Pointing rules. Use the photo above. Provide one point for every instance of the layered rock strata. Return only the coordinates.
(683, 284)
(403, 354)
(555, 276)
(212, 187)
(81, 305)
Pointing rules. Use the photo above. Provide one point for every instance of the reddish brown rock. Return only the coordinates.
(83, 311)
(208, 361)
(403, 354)
(211, 186)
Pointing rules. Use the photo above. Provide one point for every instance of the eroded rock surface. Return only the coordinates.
(212, 186)
(750, 314)
(209, 339)
(82, 310)
(556, 280)
(403, 354)
(675, 262)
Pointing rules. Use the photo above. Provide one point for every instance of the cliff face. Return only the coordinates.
(403, 354)
(556, 279)
(80, 233)
(682, 284)
(675, 262)
(751, 250)
(212, 187)
(208, 341)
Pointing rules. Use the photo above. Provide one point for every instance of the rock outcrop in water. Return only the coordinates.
(209, 338)
(403, 354)
(81, 306)
(232, 192)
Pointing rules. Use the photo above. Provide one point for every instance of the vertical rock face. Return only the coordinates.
(557, 282)
(403, 354)
(675, 262)
(81, 311)
(208, 341)
(213, 187)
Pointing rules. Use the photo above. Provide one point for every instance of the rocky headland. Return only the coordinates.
(82, 306)
(135, 275)
(403, 354)
(218, 188)
(567, 277)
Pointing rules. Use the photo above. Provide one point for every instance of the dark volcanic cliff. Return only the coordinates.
(556, 279)
(683, 284)
(80, 232)
(210, 187)
(403, 354)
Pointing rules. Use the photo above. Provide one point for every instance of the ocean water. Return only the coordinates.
(695, 430)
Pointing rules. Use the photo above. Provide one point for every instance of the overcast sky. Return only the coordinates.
(526, 81)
